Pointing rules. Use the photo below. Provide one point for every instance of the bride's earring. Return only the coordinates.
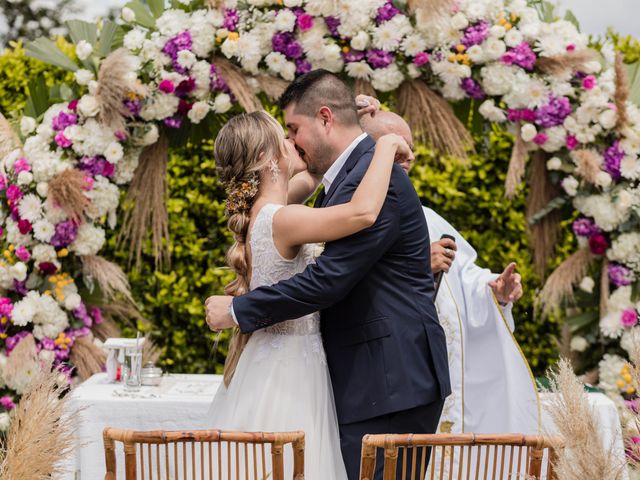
(275, 170)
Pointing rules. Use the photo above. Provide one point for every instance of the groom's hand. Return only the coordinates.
(508, 286)
(217, 309)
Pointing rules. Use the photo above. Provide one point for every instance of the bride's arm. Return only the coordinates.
(301, 186)
(297, 224)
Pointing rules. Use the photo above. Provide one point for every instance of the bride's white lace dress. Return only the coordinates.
(281, 382)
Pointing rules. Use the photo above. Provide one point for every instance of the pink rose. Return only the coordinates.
(540, 139)
(62, 141)
(22, 253)
(572, 142)
(629, 318)
(305, 22)
(420, 59)
(589, 82)
(166, 86)
(598, 244)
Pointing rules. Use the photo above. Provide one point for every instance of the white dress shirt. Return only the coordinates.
(327, 180)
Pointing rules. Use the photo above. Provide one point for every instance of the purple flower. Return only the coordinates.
(3, 182)
(231, 19)
(62, 141)
(134, 106)
(96, 313)
(585, 227)
(63, 120)
(7, 402)
(386, 13)
(14, 193)
(612, 159)
(379, 58)
(81, 314)
(20, 287)
(420, 59)
(294, 50)
(285, 43)
(166, 86)
(302, 66)
(217, 83)
(353, 56)
(472, 88)
(629, 318)
(120, 135)
(97, 166)
(553, 113)
(521, 55)
(475, 34)
(180, 42)
(518, 114)
(6, 307)
(620, 275)
(332, 24)
(73, 105)
(173, 122)
(66, 233)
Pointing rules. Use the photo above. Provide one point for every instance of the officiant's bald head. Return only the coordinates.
(382, 123)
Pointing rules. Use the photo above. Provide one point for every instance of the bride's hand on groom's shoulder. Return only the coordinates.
(218, 312)
(367, 104)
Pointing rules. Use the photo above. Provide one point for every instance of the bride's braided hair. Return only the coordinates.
(243, 148)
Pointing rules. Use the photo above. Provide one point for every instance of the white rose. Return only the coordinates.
(459, 21)
(285, 21)
(72, 301)
(579, 344)
(198, 111)
(603, 179)
(528, 132)
(83, 49)
(360, 41)
(43, 189)
(476, 54)
(513, 38)
(554, 163)
(492, 113)
(83, 76)
(222, 103)
(288, 71)
(570, 185)
(587, 284)
(88, 106)
(25, 178)
(608, 119)
(497, 31)
(27, 125)
(128, 15)
(5, 421)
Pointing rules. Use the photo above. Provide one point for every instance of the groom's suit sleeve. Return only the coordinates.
(341, 266)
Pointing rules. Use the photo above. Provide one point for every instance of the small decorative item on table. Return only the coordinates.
(151, 375)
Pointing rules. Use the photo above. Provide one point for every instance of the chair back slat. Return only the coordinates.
(204, 454)
(458, 457)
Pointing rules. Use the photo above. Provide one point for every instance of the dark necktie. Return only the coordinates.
(320, 198)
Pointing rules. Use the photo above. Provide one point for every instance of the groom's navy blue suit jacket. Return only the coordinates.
(385, 347)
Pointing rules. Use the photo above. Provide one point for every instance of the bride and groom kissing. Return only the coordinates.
(342, 344)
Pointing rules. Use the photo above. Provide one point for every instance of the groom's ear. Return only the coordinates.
(326, 116)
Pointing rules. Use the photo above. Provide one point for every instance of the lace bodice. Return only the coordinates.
(269, 267)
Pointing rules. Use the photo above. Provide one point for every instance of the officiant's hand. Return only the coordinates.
(367, 104)
(507, 287)
(217, 311)
(443, 253)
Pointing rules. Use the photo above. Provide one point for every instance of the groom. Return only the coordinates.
(385, 348)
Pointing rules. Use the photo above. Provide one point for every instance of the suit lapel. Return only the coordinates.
(365, 144)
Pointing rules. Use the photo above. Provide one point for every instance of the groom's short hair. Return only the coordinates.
(319, 88)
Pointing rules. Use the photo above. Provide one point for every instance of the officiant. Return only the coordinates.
(493, 389)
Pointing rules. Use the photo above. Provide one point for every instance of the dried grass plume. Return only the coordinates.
(237, 81)
(559, 285)
(22, 365)
(434, 7)
(432, 119)
(114, 84)
(364, 87)
(544, 233)
(110, 277)
(589, 164)
(622, 93)
(9, 140)
(517, 166)
(273, 87)
(147, 199)
(583, 456)
(40, 437)
(67, 191)
(87, 357)
(566, 62)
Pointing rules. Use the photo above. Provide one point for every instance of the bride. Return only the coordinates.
(277, 379)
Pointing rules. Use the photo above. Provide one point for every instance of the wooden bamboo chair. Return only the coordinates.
(203, 454)
(460, 457)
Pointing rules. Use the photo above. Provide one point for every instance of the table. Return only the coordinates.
(182, 401)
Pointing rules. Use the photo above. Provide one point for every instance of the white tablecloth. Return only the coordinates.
(182, 401)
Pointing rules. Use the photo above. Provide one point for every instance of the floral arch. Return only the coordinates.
(165, 76)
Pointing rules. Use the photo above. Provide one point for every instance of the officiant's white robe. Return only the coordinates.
(493, 389)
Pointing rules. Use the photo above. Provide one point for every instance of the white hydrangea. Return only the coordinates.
(387, 79)
(285, 21)
(186, 59)
(602, 209)
(25, 309)
(360, 41)
(127, 167)
(14, 236)
(498, 79)
(89, 240)
(104, 198)
(198, 111)
(134, 39)
(630, 340)
(556, 139)
(222, 103)
(570, 185)
(27, 125)
(172, 22)
(25, 178)
(44, 253)
(49, 319)
(609, 368)
(625, 249)
(160, 107)
(88, 106)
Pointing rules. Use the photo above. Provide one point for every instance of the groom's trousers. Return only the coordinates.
(423, 419)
